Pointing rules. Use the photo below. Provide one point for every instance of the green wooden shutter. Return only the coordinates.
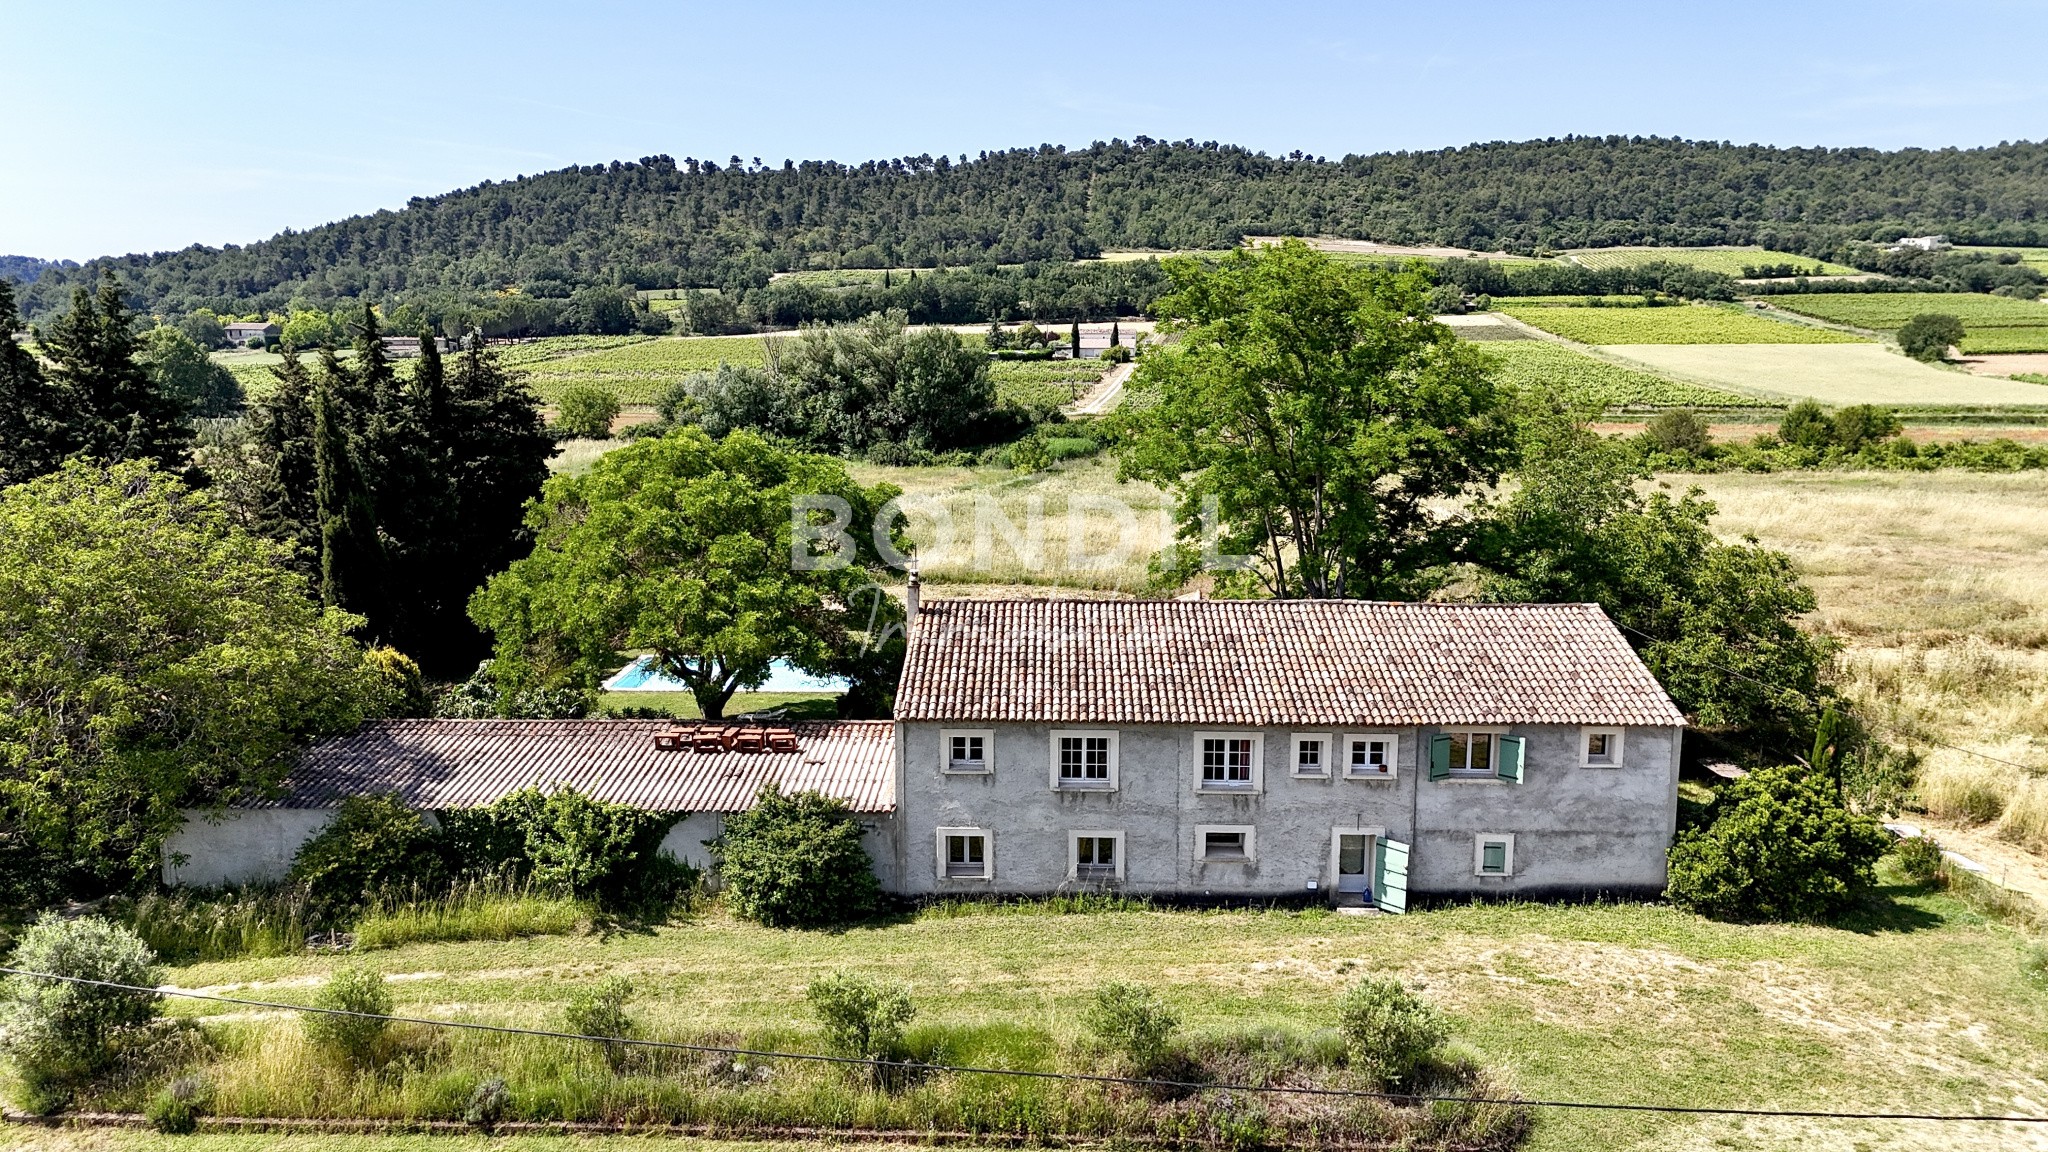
(1389, 875)
(1511, 758)
(1439, 757)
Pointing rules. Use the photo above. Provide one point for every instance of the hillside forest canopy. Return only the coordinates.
(524, 254)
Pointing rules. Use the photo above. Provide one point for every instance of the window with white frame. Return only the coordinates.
(1095, 856)
(965, 854)
(1493, 854)
(1370, 755)
(1600, 748)
(968, 749)
(1084, 761)
(1227, 761)
(1224, 843)
(1311, 755)
(1472, 754)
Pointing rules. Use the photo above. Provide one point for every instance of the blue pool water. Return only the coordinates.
(641, 676)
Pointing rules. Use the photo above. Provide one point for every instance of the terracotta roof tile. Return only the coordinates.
(471, 763)
(1274, 662)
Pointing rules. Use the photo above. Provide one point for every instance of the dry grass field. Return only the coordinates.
(1939, 583)
(1729, 261)
(1831, 374)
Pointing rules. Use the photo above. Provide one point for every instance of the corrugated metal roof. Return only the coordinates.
(1274, 662)
(470, 763)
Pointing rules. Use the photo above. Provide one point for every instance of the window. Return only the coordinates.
(968, 750)
(1095, 857)
(1370, 755)
(1471, 754)
(1493, 855)
(1084, 761)
(1223, 843)
(1229, 762)
(965, 854)
(1312, 755)
(1600, 748)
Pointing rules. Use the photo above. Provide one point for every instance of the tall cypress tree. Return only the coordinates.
(111, 409)
(351, 570)
(1075, 336)
(32, 426)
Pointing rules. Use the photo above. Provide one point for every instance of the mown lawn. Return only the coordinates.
(1919, 1004)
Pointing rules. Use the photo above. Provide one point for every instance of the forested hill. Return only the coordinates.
(25, 269)
(657, 223)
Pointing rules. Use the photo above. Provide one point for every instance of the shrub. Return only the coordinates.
(353, 1038)
(600, 1010)
(570, 844)
(1930, 335)
(60, 1035)
(586, 411)
(1131, 1019)
(1806, 425)
(374, 845)
(1782, 848)
(1116, 354)
(1392, 1033)
(1447, 298)
(795, 861)
(489, 1101)
(1679, 430)
(175, 1111)
(1919, 858)
(1861, 425)
(863, 1018)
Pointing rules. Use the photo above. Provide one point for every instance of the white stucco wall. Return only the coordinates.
(240, 846)
(1576, 829)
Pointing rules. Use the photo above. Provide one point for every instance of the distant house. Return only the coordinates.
(243, 331)
(1343, 750)
(1923, 243)
(400, 347)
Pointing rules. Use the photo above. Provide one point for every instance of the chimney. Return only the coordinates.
(910, 598)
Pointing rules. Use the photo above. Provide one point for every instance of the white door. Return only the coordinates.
(1354, 862)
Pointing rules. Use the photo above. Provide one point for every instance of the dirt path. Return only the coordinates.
(2004, 864)
(1106, 395)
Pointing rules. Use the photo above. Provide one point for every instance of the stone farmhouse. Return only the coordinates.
(1349, 751)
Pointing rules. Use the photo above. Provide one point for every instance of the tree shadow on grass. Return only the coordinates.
(1886, 908)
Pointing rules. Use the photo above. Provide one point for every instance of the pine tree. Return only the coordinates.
(32, 428)
(112, 410)
(281, 424)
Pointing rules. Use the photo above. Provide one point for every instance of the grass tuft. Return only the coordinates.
(488, 911)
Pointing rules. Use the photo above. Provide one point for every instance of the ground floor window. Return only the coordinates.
(1096, 856)
(1493, 854)
(964, 854)
(1224, 843)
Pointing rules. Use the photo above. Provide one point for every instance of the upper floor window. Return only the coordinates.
(967, 750)
(1600, 748)
(1084, 760)
(1228, 762)
(1370, 755)
(1471, 754)
(1311, 755)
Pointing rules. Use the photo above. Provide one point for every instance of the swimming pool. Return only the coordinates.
(642, 676)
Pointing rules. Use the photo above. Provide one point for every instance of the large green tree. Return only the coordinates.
(1325, 414)
(711, 554)
(181, 369)
(112, 410)
(1716, 621)
(152, 657)
(32, 439)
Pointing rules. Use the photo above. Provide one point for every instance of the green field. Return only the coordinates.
(1727, 261)
(1832, 374)
(637, 368)
(252, 369)
(1990, 323)
(1674, 324)
(2034, 257)
(1586, 381)
(1043, 386)
(1919, 1004)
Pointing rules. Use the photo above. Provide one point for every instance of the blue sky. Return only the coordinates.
(137, 127)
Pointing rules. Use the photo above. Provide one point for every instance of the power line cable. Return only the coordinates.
(1080, 1077)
